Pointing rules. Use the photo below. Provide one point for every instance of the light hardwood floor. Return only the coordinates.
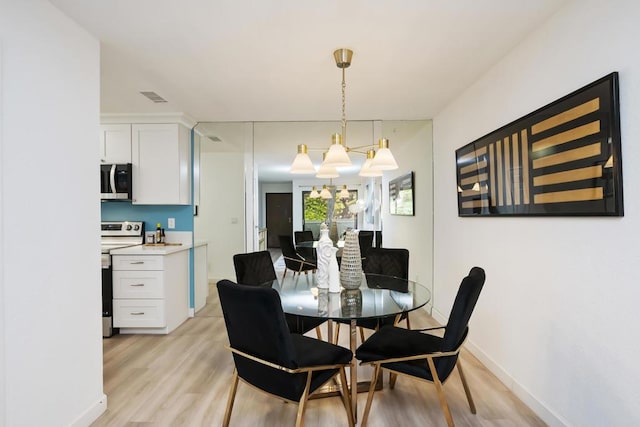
(182, 379)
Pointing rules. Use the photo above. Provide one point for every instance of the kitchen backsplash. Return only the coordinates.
(150, 214)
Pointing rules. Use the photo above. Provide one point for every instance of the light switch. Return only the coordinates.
(171, 223)
(234, 220)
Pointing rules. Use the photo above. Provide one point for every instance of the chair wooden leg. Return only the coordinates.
(345, 397)
(361, 334)
(285, 273)
(337, 334)
(467, 390)
(392, 380)
(231, 398)
(408, 322)
(319, 333)
(302, 405)
(443, 400)
(372, 389)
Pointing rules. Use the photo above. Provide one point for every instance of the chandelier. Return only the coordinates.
(337, 154)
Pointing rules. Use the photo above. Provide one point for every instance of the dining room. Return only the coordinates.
(556, 285)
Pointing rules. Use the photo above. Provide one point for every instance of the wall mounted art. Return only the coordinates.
(563, 159)
(401, 195)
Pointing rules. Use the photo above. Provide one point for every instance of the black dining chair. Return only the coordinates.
(303, 236)
(388, 262)
(293, 260)
(365, 241)
(270, 358)
(424, 356)
(304, 245)
(256, 269)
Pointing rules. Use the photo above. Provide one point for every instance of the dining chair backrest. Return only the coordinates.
(254, 268)
(365, 240)
(289, 252)
(303, 236)
(256, 325)
(388, 261)
(458, 324)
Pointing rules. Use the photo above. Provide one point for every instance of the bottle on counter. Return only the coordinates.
(162, 236)
(158, 233)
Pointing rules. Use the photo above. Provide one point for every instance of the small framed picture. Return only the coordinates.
(401, 195)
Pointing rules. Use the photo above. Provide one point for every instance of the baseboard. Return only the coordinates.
(192, 312)
(440, 318)
(92, 413)
(540, 409)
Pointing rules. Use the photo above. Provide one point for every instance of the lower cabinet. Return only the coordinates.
(150, 292)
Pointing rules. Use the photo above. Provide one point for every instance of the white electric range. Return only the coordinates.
(114, 235)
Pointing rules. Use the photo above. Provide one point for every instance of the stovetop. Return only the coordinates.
(120, 234)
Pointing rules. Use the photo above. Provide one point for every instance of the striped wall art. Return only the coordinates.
(563, 159)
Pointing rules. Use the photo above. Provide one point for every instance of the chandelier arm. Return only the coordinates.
(361, 146)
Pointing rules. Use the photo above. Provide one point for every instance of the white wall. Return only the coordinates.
(50, 219)
(412, 232)
(557, 319)
(221, 215)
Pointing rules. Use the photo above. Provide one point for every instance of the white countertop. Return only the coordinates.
(182, 237)
(151, 250)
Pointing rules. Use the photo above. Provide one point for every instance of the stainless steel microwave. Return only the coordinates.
(115, 182)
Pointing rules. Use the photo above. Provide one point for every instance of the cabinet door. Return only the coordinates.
(115, 143)
(161, 164)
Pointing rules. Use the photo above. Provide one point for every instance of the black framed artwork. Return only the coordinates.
(401, 194)
(563, 159)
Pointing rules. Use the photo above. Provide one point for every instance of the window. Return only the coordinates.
(316, 211)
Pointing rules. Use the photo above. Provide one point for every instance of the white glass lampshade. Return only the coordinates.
(337, 155)
(325, 193)
(302, 163)
(325, 170)
(344, 193)
(366, 168)
(314, 193)
(384, 160)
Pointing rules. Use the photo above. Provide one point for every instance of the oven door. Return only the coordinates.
(107, 296)
(115, 181)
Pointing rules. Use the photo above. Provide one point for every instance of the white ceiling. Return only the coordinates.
(272, 60)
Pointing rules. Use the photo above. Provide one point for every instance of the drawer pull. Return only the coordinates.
(138, 313)
(138, 284)
(137, 262)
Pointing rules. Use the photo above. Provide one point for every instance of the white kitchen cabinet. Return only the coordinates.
(115, 143)
(150, 292)
(161, 158)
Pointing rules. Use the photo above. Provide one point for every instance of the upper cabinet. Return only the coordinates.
(161, 158)
(115, 143)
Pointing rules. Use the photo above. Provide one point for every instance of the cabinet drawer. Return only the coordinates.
(138, 284)
(138, 262)
(138, 313)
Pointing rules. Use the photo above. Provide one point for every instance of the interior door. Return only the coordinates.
(279, 207)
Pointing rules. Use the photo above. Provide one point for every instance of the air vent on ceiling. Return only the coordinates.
(214, 138)
(154, 97)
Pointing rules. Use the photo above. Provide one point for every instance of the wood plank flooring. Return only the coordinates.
(182, 379)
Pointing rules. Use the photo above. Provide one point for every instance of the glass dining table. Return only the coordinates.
(378, 296)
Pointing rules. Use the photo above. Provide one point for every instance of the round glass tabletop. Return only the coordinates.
(378, 296)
